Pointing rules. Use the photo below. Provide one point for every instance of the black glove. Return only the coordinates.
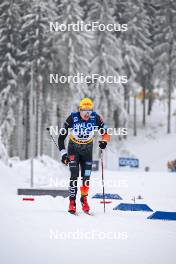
(102, 144)
(65, 159)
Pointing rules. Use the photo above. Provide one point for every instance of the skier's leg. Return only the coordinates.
(86, 164)
(86, 168)
(74, 170)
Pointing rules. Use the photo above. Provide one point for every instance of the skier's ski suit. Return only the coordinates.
(80, 147)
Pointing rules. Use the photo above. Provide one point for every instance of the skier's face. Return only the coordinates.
(85, 114)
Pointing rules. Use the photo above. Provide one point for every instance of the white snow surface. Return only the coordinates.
(42, 231)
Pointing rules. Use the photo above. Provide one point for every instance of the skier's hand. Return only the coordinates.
(65, 159)
(102, 144)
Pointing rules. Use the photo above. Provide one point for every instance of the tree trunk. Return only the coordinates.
(144, 106)
(20, 127)
(116, 118)
(169, 100)
(150, 89)
(125, 97)
(32, 115)
(39, 116)
(150, 103)
(27, 127)
(128, 109)
(170, 75)
(135, 117)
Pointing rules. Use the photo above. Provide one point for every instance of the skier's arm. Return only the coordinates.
(102, 128)
(63, 134)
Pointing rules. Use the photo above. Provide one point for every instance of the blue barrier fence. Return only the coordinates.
(131, 162)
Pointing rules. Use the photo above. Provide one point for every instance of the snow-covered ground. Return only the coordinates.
(152, 146)
(42, 232)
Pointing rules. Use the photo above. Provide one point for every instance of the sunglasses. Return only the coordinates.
(89, 112)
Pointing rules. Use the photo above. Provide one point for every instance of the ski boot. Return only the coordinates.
(72, 206)
(83, 199)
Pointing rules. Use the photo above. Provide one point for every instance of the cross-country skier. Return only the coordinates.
(81, 126)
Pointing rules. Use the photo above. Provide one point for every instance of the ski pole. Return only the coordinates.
(102, 168)
(53, 139)
(48, 129)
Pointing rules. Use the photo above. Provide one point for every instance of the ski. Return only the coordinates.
(86, 213)
(89, 213)
(74, 213)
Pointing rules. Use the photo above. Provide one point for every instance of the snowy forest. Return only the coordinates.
(29, 52)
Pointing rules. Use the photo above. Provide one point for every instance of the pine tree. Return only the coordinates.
(106, 60)
(136, 49)
(3, 151)
(73, 46)
(165, 48)
(151, 12)
(9, 67)
(37, 48)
